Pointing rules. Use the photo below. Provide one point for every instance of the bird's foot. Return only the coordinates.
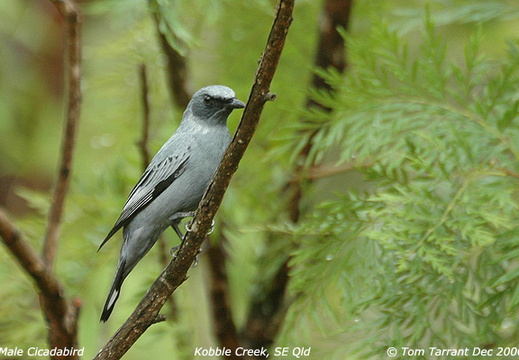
(175, 220)
(188, 226)
(190, 223)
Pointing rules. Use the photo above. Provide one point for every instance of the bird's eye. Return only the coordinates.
(207, 99)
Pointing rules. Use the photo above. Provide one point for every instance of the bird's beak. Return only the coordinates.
(235, 104)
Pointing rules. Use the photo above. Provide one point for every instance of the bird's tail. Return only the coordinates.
(115, 290)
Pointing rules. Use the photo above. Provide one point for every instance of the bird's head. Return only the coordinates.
(214, 103)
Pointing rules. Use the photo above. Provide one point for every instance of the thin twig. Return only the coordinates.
(145, 128)
(321, 171)
(60, 315)
(175, 61)
(511, 173)
(69, 11)
(175, 273)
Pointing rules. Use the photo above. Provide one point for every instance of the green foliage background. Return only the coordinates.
(416, 247)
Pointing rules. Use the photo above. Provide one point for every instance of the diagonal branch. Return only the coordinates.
(60, 314)
(266, 313)
(27, 257)
(68, 10)
(175, 273)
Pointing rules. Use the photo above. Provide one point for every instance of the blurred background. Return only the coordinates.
(407, 224)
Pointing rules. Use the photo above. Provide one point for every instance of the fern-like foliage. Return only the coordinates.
(429, 256)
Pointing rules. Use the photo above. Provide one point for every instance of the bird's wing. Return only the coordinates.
(152, 183)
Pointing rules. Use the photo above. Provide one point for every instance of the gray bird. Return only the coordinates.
(175, 180)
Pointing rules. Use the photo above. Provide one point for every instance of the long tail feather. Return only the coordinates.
(115, 290)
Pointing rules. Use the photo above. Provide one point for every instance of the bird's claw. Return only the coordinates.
(195, 263)
(174, 251)
(211, 229)
(190, 223)
(188, 227)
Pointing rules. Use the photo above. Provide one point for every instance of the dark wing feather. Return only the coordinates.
(152, 183)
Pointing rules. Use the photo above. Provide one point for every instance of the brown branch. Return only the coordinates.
(145, 128)
(266, 313)
(59, 314)
(321, 171)
(175, 273)
(69, 11)
(511, 173)
(176, 62)
(225, 330)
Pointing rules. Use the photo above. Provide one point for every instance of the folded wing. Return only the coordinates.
(153, 182)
